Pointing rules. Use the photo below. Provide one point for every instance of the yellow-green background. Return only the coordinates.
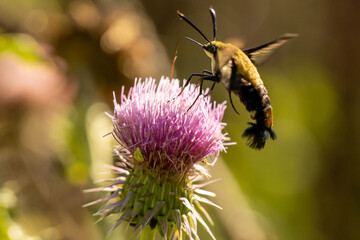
(61, 60)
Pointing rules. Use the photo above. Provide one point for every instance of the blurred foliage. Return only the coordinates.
(21, 45)
(61, 60)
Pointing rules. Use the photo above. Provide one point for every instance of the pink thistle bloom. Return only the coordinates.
(154, 120)
(163, 147)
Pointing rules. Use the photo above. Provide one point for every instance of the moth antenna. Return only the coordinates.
(182, 16)
(213, 17)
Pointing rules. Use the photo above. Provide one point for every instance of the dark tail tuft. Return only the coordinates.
(257, 135)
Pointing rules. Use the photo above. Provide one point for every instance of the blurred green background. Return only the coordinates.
(61, 60)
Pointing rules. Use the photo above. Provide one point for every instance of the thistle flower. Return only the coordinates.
(163, 151)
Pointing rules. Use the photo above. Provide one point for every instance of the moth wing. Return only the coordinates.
(260, 54)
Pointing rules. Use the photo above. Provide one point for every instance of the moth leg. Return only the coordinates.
(208, 72)
(213, 78)
(189, 79)
(200, 92)
(211, 89)
(232, 104)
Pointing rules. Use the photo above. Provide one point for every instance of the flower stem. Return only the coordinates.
(148, 233)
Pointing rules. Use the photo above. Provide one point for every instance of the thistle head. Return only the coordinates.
(163, 149)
